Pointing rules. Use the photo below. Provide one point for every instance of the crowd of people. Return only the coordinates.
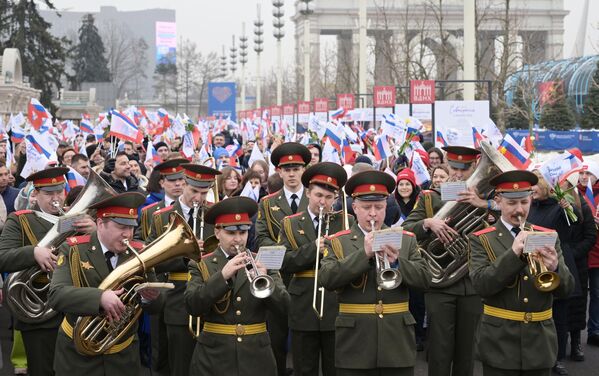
(364, 329)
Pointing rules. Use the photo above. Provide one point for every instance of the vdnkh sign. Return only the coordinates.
(422, 91)
(384, 96)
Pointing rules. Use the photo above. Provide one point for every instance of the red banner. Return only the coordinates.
(321, 105)
(384, 96)
(303, 107)
(288, 109)
(275, 111)
(347, 101)
(422, 91)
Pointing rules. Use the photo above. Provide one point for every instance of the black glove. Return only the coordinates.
(109, 165)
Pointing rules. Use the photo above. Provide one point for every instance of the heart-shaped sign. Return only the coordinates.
(221, 93)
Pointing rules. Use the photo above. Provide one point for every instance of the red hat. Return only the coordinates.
(406, 174)
(424, 156)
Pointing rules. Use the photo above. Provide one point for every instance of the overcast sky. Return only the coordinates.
(212, 23)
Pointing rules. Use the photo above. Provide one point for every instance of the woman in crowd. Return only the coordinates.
(138, 170)
(253, 178)
(439, 175)
(261, 167)
(228, 182)
(435, 156)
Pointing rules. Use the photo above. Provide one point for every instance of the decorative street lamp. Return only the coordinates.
(279, 23)
(306, 9)
(243, 59)
(258, 47)
(223, 65)
(233, 58)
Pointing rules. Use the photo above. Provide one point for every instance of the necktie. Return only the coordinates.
(294, 203)
(190, 219)
(316, 225)
(516, 230)
(108, 256)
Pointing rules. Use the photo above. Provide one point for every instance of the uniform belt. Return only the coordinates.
(178, 276)
(235, 330)
(305, 274)
(375, 309)
(517, 315)
(68, 330)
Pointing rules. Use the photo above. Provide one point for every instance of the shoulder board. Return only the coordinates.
(74, 240)
(163, 210)
(150, 206)
(207, 255)
(408, 233)
(544, 229)
(19, 212)
(137, 245)
(272, 194)
(295, 215)
(484, 231)
(340, 233)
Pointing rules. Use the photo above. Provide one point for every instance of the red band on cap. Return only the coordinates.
(117, 211)
(513, 186)
(370, 189)
(462, 158)
(291, 159)
(171, 170)
(232, 219)
(198, 176)
(45, 182)
(324, 179)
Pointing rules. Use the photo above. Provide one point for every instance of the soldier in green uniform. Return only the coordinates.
(199, 181)
(453, 311)
(172, 182)
(83, 263)
(19, 251)
(374, 331)
(312, 337)
(290, 160)
(234, 340)
(516, 335)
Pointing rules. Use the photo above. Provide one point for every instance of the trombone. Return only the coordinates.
(319, 309)
(261, 285)
(387, 277)
(544, 280)
(195, 331)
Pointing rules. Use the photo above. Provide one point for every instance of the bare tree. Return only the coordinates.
(208, 70)
(187, 68)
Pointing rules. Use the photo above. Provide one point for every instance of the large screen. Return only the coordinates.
(166, 42)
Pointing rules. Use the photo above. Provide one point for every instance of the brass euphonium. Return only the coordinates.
(26, 301)
(543, 279)
(387, 277)
(448, 263)
(94, 335)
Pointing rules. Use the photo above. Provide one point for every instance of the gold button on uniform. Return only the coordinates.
(379, 288)
(238, 313)
(525, 278)
(239, 339)
(525, 300)
(238, 298)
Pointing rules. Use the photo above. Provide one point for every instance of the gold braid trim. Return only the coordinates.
(77, 274)
(269, 220)
(337, 248)
(26, 230)
(145, 224)
(158, 224)
(487, 246)
(203, 268)
(289, 232)
(428, 205)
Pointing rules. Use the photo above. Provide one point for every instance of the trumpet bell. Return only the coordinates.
(389, 279)
(262, 286)
(546, 281)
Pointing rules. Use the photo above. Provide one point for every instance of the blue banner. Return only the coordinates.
(586, 141)
(221, 100)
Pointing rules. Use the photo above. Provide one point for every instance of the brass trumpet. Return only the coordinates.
(544, 279)
(261, 285)
(319, 309)
(58, 207)
(387, 277)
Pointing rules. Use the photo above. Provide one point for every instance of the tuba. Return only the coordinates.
(94, 335)
(448, 263)
(28, 302)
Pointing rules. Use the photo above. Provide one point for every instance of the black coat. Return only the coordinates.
(117, 185)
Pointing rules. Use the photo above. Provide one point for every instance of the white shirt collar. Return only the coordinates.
(185, 208)
(168, 201)
(364, 231)
(313, 216)
(224, 252)
(113, 259)
(508, 226)
(288, 194)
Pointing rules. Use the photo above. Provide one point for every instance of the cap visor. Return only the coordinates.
(52, 188)
(371, 198)
(199, 184)
(124, 221)
(460, 165)
(174, 176)
(238, 228)
(520, 194)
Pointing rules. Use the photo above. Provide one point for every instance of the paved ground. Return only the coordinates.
(589, 367)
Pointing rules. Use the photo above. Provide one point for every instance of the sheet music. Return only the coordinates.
(155, 285)
(450, 190)
(65, 224)
(271, 257)
(536, 240)
(390, 236)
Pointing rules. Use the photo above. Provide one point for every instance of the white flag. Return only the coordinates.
(251, 192)
(329, 153)
(256, 155)
(420, 170)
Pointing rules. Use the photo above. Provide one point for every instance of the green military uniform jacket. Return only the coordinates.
(220, 302)
(368, 341)
(22, 231)
(145, 220)
(298, 236)
(271, 211)
(429, 203)
(81, 267)
(174, 309)
(504, 281)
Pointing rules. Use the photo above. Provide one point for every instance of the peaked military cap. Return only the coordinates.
(234, 213)
(50, 179)
(328, 174)
(171, 169)
(514, 184)
(370, 186)
(460, 156)
(289, 154)
(198, 175)
(121, 208)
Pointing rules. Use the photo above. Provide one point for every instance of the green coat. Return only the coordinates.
(271, 211)
(145, 220)
(65, 296)
(367, 341)
(503, 280)
(174, 310)
(299, 236)
(429, 203)
(208, 295)
(22, 231)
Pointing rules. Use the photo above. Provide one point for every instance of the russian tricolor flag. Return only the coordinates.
(441, 139)
(74, 179)
(477, 137)
(16, 135)
(152, 154)
(122, 127)
(86, 126)
(38, 146)
(381, 151)
(589, 197)
(338, 113)
(514, 152)
(36, 113)
(333, 137)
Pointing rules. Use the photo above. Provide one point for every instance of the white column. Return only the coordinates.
(469, 48)
(362, 47)
(307, 58)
